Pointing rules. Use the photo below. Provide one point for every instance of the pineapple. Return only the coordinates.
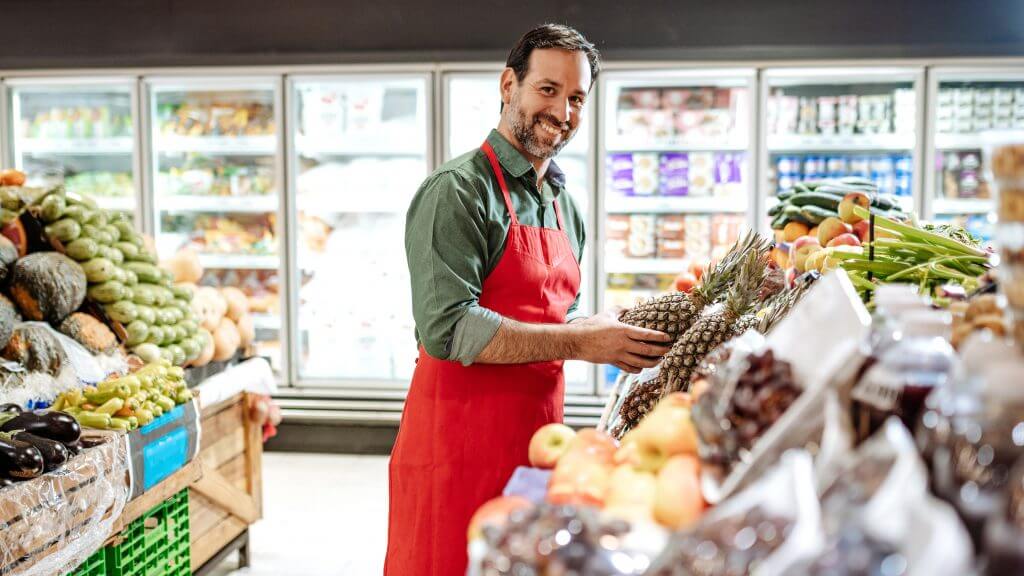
(713, 329)
(639, 402)
(673, 313)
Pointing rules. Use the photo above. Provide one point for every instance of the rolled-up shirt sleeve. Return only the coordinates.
(446, 248)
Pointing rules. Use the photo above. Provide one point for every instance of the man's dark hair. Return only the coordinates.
(552, 36)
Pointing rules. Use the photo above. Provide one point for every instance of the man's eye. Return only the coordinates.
(577, 101)
(547, 90)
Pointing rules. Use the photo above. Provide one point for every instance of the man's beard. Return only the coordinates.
(524, 131)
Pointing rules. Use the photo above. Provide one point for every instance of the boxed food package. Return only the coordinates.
(673, 249)
(671, 227)
(827, 121)
(726, 229)
(674, 173)
(616, 247)
(619, 167)
(641, 236)
(701, 174)
(787, 114)
(645, 174)
(698, 237)
(616, 226)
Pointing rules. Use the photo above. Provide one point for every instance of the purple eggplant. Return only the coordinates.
(11, 408)
(57, 426)
(20, 460)
(54, 453)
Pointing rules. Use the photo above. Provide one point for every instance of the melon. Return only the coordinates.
(225, 340)
(47, 286)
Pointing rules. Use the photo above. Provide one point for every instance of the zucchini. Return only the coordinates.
(122, 311)
(181, 292)
(52, 208)
(775, 210)
(107, 292)
(190, 326)
(129, 294)
(780, 221)
(127, 231)
(112, 254)
(815, 214)
(137, 331)
(145, 271)
(168, 357)
(178, 353)
(96, 233)
(164, 317)
(77, 213)
(192, 348)
(65, 230)
(114, 232)
(97, 218)
(148, 352)
(143, 294)
(155, 336)
(884, 202)
(130, 278)
(785, 194)
(99, 270)
(128, 249)
(146, 313)
(170, 335)
(82, 249)
(816, 199)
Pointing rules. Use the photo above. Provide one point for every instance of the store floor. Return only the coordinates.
(323, 515)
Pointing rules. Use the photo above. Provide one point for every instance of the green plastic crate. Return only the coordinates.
(95, 565)
(157, 544)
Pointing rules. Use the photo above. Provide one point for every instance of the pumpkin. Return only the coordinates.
(8, 256)
(208, 347)
(89, 332)
(36, 348)
(237, 301)
(209, 306)
(9, 318)
(15, 232)
(184, 266)
(47, 286)
(225, 340)
(246, 330)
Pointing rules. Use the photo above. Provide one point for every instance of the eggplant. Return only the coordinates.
(54, 453)
(57, 426)
(20, 460)
(12, 408)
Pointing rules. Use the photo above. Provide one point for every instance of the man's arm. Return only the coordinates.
(600, 339)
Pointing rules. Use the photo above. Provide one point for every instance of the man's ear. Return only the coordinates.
(508, 80)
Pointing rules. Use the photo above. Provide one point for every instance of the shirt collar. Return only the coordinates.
(516, 165)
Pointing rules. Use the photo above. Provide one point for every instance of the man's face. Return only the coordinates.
(546, 108)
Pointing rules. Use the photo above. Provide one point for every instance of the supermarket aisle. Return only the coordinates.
(324, 515)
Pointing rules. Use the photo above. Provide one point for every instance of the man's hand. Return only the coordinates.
(602, 339)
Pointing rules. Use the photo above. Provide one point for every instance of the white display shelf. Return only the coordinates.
(225, 145)
(117, 203)
(638, 145)
(839, 143)
(76, 146)
(337, 147)
(970, 140)
(623, 265)
(675, 205)
(963, 205)
(239, 261)
(352, 202)
(233, 204)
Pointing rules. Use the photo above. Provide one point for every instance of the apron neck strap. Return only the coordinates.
(496, 168)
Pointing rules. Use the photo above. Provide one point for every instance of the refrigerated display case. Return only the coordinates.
(79, 132)
(835, 122)
(214, 171)
(361, 149)
(677, 147)
(472, 108)
(964, 105)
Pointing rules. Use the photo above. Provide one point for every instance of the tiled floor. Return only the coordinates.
(323, 515)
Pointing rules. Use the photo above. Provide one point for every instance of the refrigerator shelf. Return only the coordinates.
(118, 203)
(963, 205)
(677, 146)
(966, 141)
(225, 145)
(675, 205)
(622, 265)
(230, 204)
(318, 147)
(838, 143)
(77, 146)
(240, 261)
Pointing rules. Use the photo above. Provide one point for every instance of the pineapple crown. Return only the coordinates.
(743, 292)
(780, 305)
(717, 279)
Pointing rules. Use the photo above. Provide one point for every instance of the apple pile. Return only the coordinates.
(653, 476)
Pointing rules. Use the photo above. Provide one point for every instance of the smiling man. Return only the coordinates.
(494, 243)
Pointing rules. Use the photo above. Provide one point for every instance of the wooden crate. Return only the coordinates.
(229, 495)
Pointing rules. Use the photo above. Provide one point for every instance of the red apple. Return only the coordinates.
(801, 250)
(495, 512)
(846, 207)
(830, 228)
(549, 443)
(848, 239)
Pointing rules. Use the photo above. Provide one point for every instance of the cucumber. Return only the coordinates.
(146, 313)
(99, 270)
(112, 254)
(107, 292)
(82, 249)
(52, 208)
(96, 233)
(166, 355)
(130, 278)
(97, 218)
(164, 317)
(155, 336)
(884, 202)
(816, 199)
(114, 232)
(128, 249)
(65, 230)
(192, 348)
(164, 295)
(178, 353)
(180, 333)
(144, 295)
(183, 306)
(77, 213)
(129, 294)
(779, 222)
(138, 332)
(145, 271)
(127, 231)
(801, 188)
(776, 210)
(182, 292)
(816, 214)
(786, 194)
(176, 314)
(122, 311)
(170, 335)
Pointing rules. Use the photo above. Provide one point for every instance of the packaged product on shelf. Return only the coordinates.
(847, 114)
(904, 111)
(808, 119)
(698, 237)
(617, 226)
(641, 241)
(726, 229)
(671, 227)
(701, 173)
(827, 122)
(787, 119)
(620, 172)
(674, 173)
(672, 249)
(729, 173)
(645, 174)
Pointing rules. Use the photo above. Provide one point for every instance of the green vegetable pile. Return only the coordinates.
(811, 203)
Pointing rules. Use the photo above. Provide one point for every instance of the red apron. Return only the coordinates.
(466, 428)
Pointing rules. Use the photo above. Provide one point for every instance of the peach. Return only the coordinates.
(830, 228)
(631, 494)
(794, 230)
(848, 239)
(813, 231)
(863, 230)
(780, 257)
(802, 249)
(846, 206)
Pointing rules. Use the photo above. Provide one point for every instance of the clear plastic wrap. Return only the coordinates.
(51, 524)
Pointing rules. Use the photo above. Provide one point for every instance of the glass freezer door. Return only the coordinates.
(472, 110)
(214, 147)
(77, 132)
(966, 104)
(676, 186)
(361, 151)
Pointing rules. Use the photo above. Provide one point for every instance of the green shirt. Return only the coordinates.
(455, 233)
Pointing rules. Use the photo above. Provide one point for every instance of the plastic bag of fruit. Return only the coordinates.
(767, 529)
